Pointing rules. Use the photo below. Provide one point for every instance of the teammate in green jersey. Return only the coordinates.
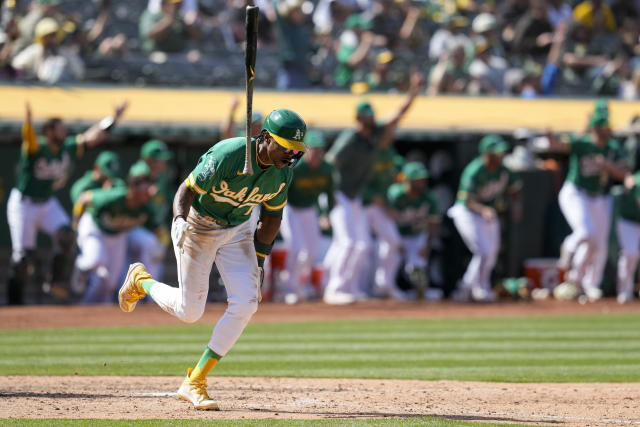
(43, 167)
(628, 228)
(300, 222)
(594, 159)
(416, 214)
(105, 174)
(483, 184)
(211, 224)
(104, 218)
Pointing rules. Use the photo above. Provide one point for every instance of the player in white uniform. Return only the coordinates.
(586, 203)
(103, 219)
(211, 224)
(300, 222)
(353, 155)
(483, 185)
(44, 164)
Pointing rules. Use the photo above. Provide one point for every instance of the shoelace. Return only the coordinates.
(201, 388)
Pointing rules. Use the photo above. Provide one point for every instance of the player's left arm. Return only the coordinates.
(416, 82)
(97, 133)
(80, 206)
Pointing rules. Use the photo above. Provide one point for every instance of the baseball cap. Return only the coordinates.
(155, 149)
(109, 163)
(483, 23)
(47, 26)
(599, 119)
(364, 109)
(415, 170)
(139, 169)
(601, 106)
(384, 57)
(493, 144)
(315, 139)
(287, 129)
(357, 21)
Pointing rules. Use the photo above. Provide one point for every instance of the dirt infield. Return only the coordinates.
(581, 404)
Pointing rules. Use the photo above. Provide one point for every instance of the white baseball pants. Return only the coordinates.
(26, 218)
(413, 245)
(301, 234)
(351, 241)
(233, 251)
(482, 237)
(590, 219)
(103, 255)
(144, 245)
(388, 257)
(629, 239)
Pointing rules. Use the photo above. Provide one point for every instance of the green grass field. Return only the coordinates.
(579, 348)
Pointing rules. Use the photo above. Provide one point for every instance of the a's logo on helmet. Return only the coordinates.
(299, 135)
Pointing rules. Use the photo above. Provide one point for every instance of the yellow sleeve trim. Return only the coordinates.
(261, 255)
(191, 183)
(29, 139)
(462, 195)
(274, 208)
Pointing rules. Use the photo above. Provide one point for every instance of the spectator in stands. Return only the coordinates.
(485, 26)
(508, 14)
(582, 56)
(38, 9)
(114, 46)
(168, 30)
(329, 16)
(450, 34)
(558, 12)
(595, 15)
(630, 36)
(354, 48)
(45, 59)
(8, 38)
(379, 79)
(295, 47)
(533, 33)
(486, 71)
(450, 75)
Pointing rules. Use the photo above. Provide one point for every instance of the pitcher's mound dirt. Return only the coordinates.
(154, 397)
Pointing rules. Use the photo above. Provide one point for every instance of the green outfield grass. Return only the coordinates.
(420, 421)
(517, 349)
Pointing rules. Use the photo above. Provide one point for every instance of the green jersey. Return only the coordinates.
(487, 187)
(87, 182)
(112, 215)
(224, 194)
(584, 171)
(630, 202)
(309, 183)
(412, 214)
(42, 169)
(385, 171)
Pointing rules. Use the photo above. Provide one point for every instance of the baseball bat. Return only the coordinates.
(251, 24)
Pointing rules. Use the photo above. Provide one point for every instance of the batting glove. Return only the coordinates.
(179, 230)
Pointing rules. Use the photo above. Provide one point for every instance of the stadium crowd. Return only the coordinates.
(522, 48)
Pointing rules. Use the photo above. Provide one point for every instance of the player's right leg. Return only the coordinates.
(194, 261)
(23, 229)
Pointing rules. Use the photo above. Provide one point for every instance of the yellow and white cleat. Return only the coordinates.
(196, 393)
(131, 290)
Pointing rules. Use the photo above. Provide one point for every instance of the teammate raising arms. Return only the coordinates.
(44, 164)
(211, 224)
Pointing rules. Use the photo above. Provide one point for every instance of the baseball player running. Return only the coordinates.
(483, 185)
(300, 223)
(353, 155)
(211, 224)
(43, 167)
(385, 171)
(149, 242)
(586, 203)
(103, 218)
(628, 228)
(105, 174)
(416, 213)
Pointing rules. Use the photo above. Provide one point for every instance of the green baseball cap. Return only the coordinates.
(109, 163)
(155, 149)
(315, 139)
(493, 144)
(287, 129)
(601, 106)
(357, 21)
(139, 169)
(415, 170)
(364, 109)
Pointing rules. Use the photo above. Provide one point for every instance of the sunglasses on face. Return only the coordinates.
(296, 155)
